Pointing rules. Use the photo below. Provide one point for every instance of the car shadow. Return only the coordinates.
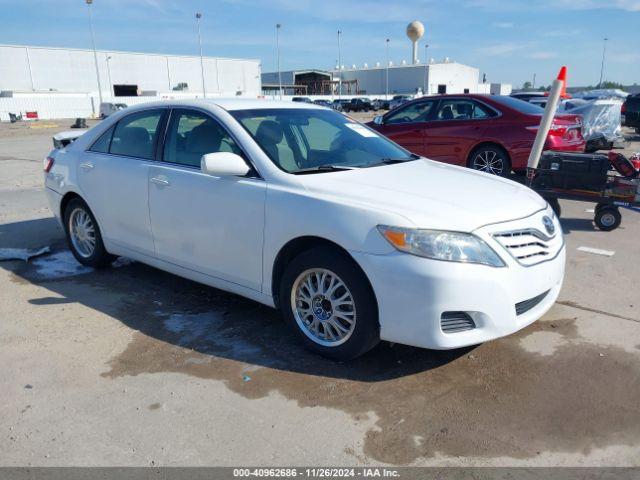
(192, 316)
(577, 225)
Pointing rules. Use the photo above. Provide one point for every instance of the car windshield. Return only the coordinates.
(518, 105)
(301, 139)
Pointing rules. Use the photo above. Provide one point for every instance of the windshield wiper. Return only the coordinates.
(323, 169)
(391, 161)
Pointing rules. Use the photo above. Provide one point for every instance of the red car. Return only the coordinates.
(491, 133)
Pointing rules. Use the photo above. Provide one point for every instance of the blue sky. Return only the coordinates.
(509, 40)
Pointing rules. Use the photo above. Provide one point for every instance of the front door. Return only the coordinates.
(212, 225)
(113, 177)
(407, 126)
(456, 127)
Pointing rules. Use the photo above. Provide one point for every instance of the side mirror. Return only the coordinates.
(378, 120)
(223, 164)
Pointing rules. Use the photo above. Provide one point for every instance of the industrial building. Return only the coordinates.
(37, 69)
(413, 78)
(62, 82)
(444, 77)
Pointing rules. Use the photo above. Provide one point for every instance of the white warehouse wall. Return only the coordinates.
(25, 68)
(408, 79)
(456, 76)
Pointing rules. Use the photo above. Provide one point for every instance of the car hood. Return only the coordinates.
(430, 194)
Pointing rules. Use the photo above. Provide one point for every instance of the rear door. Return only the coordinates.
(113, 178)
(457, 125)
(407, 125)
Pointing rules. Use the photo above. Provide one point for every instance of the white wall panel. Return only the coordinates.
(73, 70)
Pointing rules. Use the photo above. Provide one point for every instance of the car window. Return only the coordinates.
(104, 141)
(274, 142)
(416, 112)
(462, 109)
(135, 135)
(298, 139)
(517, 104)
(193, 134)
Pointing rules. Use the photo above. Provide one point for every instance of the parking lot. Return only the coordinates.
(134, 366)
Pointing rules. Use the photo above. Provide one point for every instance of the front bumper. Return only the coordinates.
(413, 293)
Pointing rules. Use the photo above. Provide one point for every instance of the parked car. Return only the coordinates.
(299, 207)
(339, 105)
(62, 139)
(384, 104)
(107, 108)
(302, 100)
(491, 133)
(398, 100)
(357, 105)
(529, 95)
(324, 103)
(380, 104)
(631, 112)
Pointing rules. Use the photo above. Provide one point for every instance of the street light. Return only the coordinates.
(278, 27)
(604, 50)
(204, 91)
(386, 88)
(339, 65)
(426, 68)
(109, 76)
(95, 55)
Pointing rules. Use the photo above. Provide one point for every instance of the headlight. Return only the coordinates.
(441, 245)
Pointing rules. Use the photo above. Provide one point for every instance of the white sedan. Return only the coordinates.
(302, 208)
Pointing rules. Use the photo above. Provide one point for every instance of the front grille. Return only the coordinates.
(526, 305)
(528, 246)
(452, 322)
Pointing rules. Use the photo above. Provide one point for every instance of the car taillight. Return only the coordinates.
(48, 163)
(559, 129)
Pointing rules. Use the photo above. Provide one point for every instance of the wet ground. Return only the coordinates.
(133, 366)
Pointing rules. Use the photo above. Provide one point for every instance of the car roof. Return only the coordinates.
(229, 104)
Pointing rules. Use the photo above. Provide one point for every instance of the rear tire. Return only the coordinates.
(329, 303)
(490, 159)
(83, 235)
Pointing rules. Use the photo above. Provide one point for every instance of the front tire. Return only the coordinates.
(328, 301)
(83, 235)
(491, 159)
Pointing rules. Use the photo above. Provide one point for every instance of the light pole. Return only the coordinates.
(386, 88)
(95, 55)
(426, 68)
(604, 51)
(109, 75)
(204, 91)
(533, 86)
(339, 65)
(278, 27)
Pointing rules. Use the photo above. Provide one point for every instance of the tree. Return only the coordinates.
(526, 85)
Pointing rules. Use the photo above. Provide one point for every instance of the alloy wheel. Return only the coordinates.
(82, 232)
(489, 161)
(323, 307)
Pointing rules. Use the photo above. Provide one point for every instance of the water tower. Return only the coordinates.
(415, 31)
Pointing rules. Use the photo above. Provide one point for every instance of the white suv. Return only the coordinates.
(299, 207)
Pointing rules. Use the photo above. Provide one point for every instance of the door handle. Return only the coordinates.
(159, 181)
(86, 165)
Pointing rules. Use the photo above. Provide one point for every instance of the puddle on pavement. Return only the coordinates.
(496, 400)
